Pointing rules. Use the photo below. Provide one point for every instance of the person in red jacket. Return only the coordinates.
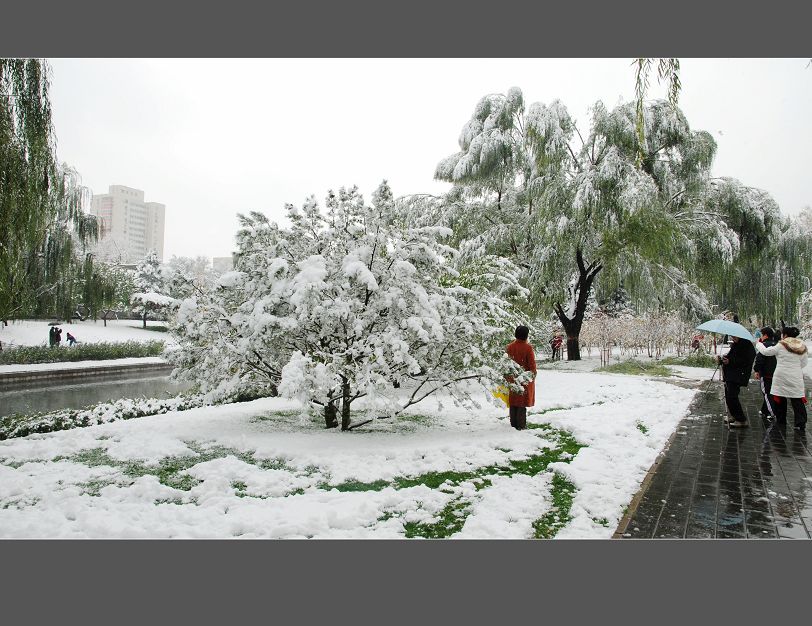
(521, 352)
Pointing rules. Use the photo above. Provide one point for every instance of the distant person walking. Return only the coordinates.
(521, 352)
(791, 356)
(556, 344)
(71, 339)
(736, 367)
(764, 368)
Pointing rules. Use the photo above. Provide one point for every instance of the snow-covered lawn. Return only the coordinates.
(35, 332)
(259, 469)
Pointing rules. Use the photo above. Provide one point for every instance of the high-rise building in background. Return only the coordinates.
(130, 227)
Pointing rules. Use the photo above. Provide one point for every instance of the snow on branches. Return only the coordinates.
(150, 281)
(347, 305)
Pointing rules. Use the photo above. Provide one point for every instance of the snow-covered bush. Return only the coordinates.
(347, 305)
(21, 426)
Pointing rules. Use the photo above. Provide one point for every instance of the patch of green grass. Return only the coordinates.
(20, 502)
(601, 521)
(170, 470)
(563, 492)
(275, 415)
(102, 351)
(450, 520)
(642, 428)
(638, 368)
(692, 360)
(94, 487)
(355, 485)
(423, 420)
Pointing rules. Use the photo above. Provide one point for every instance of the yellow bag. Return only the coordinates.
(503, 393)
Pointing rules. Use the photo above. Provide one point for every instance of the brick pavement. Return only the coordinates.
(716, 482)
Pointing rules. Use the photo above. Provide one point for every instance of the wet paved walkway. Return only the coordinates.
(715, 482)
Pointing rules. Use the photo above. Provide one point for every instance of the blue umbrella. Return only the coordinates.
(723, 327)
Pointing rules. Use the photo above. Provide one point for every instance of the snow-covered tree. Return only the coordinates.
(106, 290)
(183, 276)
(619, 303)
(803, 221)
(151, 287)
(564, 212)
(347, 305)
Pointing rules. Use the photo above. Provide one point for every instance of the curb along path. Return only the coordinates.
(17, 378)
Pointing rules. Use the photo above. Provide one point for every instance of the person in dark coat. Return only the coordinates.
(763, 369)
(51, 336)
(737, 365)
(71, 339)
(522, 353)
(58, 336)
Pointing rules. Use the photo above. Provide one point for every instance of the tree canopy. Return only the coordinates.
(44, 227)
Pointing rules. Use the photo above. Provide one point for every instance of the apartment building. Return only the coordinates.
(130, 227)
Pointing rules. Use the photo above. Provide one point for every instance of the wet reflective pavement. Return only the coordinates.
(715, 482)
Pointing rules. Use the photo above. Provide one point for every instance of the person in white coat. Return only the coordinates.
(788, 380)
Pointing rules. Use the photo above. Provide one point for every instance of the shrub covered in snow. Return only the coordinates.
(347, 305)
(124, 409)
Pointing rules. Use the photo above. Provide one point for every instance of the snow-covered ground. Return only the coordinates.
(35, 332)
(259, 469)
(72, 365)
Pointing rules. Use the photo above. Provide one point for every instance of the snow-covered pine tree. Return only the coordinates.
(344, 306)
(150, 284)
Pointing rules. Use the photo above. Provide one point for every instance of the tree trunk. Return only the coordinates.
(345, 404)
(145, 318)
(586, 276)
(330, 415)
(573, 341)
(104, 318)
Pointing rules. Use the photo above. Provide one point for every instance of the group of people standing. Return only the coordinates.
(55, 337)
(778, 362)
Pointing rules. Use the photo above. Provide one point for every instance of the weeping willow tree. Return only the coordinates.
(667, 70)
(578, 213)
(43, 223)
(105, 289)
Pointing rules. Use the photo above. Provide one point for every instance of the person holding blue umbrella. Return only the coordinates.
(737, 365)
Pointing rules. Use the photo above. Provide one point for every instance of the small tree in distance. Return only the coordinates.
(150, 287)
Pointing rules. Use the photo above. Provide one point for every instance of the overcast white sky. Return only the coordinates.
(210, 138)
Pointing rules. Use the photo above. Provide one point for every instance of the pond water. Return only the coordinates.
(78, 394)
